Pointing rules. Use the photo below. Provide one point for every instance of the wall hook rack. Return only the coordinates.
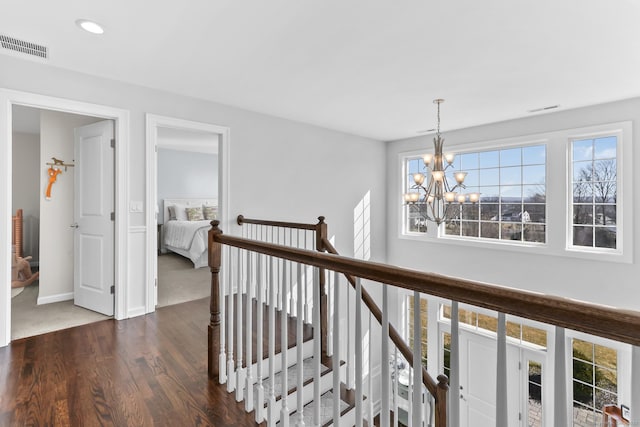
(58, 162)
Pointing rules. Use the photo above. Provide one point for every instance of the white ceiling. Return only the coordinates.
(368, 67)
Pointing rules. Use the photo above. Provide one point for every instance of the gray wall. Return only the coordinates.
(185, 174)
(26, 187)
(595, 280)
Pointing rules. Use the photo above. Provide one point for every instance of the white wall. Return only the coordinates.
(56, 215)
(279, 169)
(598, 281)
(185, 174)
(26, 184)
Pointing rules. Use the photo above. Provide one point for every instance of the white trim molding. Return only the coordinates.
(153, 122)
(8, 98)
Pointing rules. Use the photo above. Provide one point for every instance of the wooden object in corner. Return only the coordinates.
(612, 416)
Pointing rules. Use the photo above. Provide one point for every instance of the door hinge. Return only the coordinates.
(113, 143)
(519, 416)
(113, 216)
(113, 289)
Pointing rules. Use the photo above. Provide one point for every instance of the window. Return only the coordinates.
(512, 187)
(594, 185)
(595, 382)
(423, 327)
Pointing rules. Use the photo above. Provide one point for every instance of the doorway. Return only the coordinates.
(8, 99)
(56, 157)
(187, 168)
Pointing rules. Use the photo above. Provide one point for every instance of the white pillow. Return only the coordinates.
(181, 212)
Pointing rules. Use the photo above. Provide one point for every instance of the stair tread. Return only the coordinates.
(326, 410)
(292, 377)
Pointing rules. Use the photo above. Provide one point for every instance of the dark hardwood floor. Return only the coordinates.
(146, 371)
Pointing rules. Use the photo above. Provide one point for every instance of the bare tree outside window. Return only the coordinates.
(595, 192)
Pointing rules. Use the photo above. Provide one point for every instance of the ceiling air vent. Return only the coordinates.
(22, 46)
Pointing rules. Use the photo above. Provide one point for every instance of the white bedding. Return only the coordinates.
(189, 239)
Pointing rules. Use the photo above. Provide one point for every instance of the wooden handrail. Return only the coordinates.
(393, 334)
(619, 325)
(296, 225)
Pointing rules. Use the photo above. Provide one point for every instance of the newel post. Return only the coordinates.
(441, 401)
(321, 235)
(215, 258)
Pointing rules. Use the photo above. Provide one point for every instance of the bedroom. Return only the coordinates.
(187, 201)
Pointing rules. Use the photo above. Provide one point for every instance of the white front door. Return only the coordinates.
(93, 210)
(478, 372)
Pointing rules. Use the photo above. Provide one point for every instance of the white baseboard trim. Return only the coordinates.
(138, 311)
(55, 298)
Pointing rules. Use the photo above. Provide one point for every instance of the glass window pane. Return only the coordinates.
(535, 212)
(489, 176)
(583, 371)
(511, 194)
(605, 214)
(583, 192)
(489, 323)
(511, 212)
(605, 170)
(606, 379)
(467, 316)
(470, 211)
(471, 180)
(605, 398)
(469, 161)
(511, 176)
(605, 237)
(513, 330)
(534, 233)
(583, 350)
(452, 228)
(511, 157)
(489, 194)
(606, 357)
(511, 231)
(536, 155)
(489, 230)
(582, 236)
(534, 193)
(534, 335)
(489, 211)
(415, 166)
(489, 159)
(470, 229)
(582, 171)
(533, 174)
(583, 393)
(605, 148)
(582, 150)
(583, 214)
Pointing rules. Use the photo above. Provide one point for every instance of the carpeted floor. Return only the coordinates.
(178, 282)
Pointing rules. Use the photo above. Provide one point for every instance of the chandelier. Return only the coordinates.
(431, 196)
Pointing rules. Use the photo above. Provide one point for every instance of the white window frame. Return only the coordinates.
(559, 195)
(621, 181)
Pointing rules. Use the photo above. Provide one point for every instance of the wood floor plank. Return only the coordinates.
(146, 371)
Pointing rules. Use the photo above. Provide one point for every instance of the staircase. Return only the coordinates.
(309, 357)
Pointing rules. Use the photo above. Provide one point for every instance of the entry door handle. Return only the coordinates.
(74, 225)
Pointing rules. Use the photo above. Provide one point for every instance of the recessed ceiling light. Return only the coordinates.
(90, 26)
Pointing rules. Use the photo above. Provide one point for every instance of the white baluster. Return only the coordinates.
(358, 352)
(284, 345)
(306, 283)
(350, 343)
(299, 354)
(384, 360)
(454, 363)
(292, 301)
(260, 285)
(240, 380)
(560, 395)
(317, 341)
(248, 401)
(396, 383)
(369, 380)
(271, 406)
(231, 374)
(417, 363)
(336, 350)
(222, 357)
(280, 283)
(502, 414)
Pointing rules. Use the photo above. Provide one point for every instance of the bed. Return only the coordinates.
(185, 237)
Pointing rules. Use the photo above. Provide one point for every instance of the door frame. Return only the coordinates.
(8, 98)
(153, 122)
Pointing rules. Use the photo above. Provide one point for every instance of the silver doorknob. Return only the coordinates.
(74, 225)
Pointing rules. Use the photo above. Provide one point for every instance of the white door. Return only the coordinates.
(478, 372)
(94, 224)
